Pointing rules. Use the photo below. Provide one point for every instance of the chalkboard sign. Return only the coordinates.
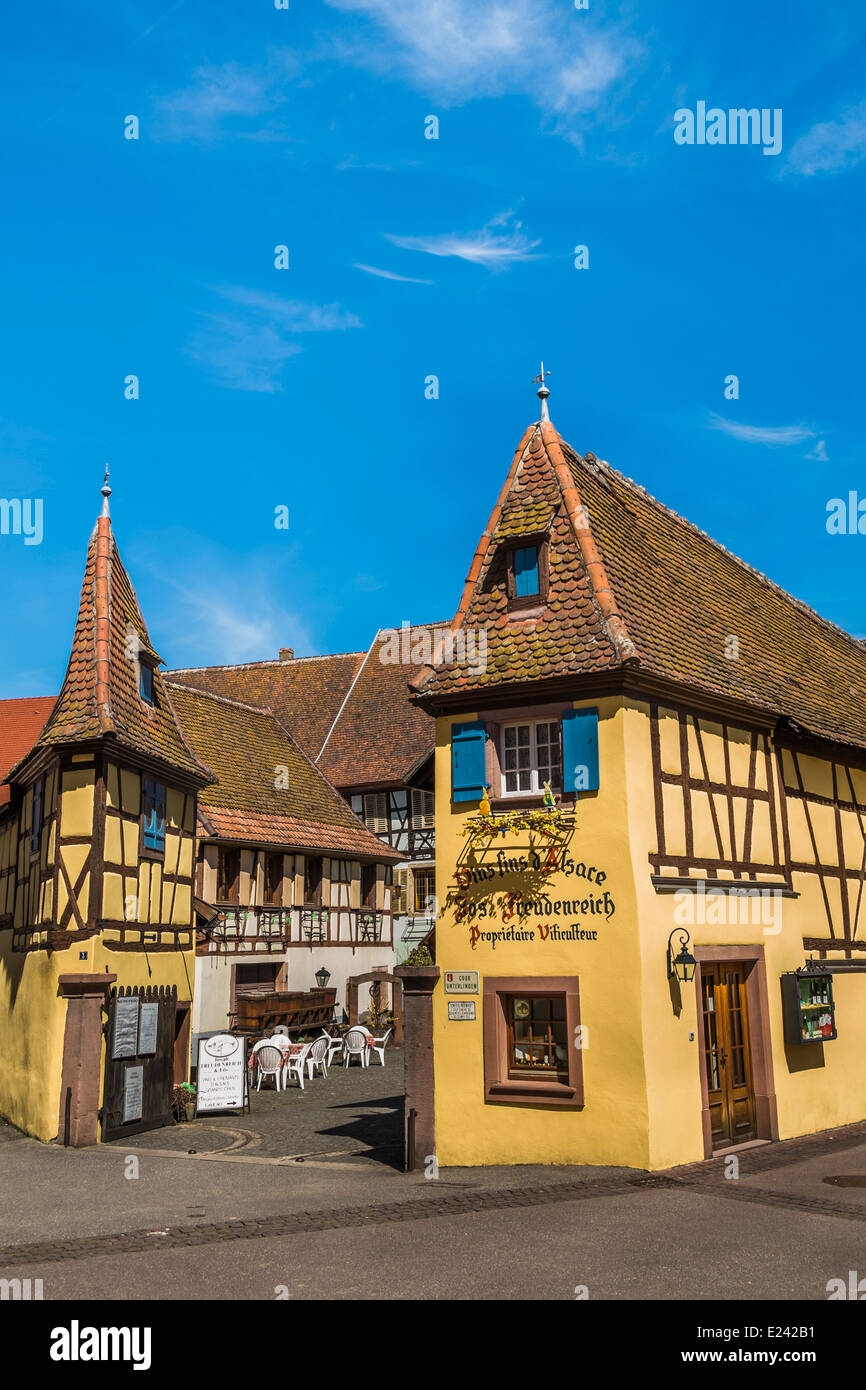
(125, 1040)
(221, 1077)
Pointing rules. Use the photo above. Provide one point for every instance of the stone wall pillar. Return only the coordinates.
(419, 982)
(82, 1056)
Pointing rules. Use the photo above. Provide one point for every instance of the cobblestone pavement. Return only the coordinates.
(353, 1110)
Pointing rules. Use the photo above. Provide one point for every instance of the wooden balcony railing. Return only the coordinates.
(272, 930)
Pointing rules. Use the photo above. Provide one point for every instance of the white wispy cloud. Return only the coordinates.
(499, 244)
(831, 146)
(776, 436)
(563, 60)
(390, 275)
(198, 617)
(226, 95)
(247, 352)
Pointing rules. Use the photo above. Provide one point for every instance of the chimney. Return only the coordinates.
(287, 653)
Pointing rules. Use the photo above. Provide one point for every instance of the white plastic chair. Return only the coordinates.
(269, 1062)
(378, 1045)
(294, 1064)
(335, 1047)
(355, 1044)
(318, 1056)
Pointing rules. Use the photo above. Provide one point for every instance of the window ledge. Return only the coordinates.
(526, 801)
(520, 613)
(532, 1092)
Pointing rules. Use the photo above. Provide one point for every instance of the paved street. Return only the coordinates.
(242, 1216)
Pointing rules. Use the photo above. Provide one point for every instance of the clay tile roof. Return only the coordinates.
(379, 736)
(267, 789)
(100, 696)
(21, 722)
(634, 584)
(305, 693)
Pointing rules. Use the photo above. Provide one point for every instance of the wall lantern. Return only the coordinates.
(322, 977)
(683, 964)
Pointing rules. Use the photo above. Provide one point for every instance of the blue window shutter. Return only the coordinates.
(580, 750)
(468, 761)
(526, 572)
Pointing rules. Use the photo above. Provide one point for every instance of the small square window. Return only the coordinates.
(527, 573)
(531, 1056)
(531, 756)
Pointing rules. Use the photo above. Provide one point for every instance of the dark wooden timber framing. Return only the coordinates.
(97, 855)
(774, 749)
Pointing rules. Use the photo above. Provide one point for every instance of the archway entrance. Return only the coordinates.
(379, 977)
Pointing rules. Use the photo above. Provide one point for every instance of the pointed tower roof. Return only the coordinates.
(100, 697)
(636, 590)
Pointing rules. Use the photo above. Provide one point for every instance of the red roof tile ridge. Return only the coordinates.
(605, 599)
(221, 699)
(599, 466)
(420, 680)
(252, 665)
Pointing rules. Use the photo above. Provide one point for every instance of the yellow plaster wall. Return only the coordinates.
(614, 1121)
(643, 1065)
(32, 1022)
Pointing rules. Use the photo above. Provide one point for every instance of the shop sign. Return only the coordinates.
(510, 899)
(461, 981)
(221, 1080)
(462, 1009)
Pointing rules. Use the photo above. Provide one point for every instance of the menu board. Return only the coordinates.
(125, 1040)
(133, 1093)
(147, 1026)
(221, 1080)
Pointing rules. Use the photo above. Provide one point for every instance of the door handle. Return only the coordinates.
(723, 1057)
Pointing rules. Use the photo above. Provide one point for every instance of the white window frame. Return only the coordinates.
(536, 787)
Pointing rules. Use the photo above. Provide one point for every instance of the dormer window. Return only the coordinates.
(527, 573)
(146, 682)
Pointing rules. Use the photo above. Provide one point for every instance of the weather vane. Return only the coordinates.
(543, 392)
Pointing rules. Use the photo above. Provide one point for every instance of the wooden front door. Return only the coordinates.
(727, 1057)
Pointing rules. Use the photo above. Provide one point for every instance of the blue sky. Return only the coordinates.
(411, 257)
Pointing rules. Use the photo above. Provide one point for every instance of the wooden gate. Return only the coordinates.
(139, 1060)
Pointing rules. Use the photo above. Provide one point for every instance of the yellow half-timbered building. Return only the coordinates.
(97, 847)
(651, 842)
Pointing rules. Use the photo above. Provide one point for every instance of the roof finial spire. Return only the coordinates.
(543, 392)
(106, 493)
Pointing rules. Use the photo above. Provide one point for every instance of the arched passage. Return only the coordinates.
(382, 977)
